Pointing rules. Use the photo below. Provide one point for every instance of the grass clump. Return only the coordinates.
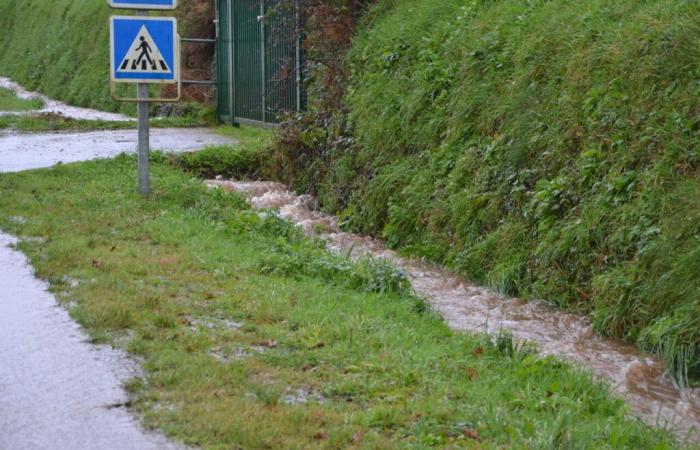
(543, 160)
(245, 160)
(367, 275)
(250, 338)
(10, 102)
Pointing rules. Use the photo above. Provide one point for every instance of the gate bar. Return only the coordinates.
(199, 40)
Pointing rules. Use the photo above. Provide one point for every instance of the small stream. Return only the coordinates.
(56, 107)
(637, 377)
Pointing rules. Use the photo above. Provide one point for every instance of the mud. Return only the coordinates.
(32, 151)
(638, 378)
(56, 107)
(301, 396)
(57, 391)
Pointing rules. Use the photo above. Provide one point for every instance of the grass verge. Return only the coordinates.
(10, 102)
(57, 122)
(246, 160)
(253, 336)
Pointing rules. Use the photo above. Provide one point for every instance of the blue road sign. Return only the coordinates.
(143, 4)
(144, 49)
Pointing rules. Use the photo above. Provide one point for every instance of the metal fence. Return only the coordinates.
(258, 60)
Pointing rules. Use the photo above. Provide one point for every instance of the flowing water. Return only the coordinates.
(639, 378)
(56, 107)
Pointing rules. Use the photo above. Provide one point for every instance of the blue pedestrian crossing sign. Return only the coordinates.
(144, 49)
(143, 4)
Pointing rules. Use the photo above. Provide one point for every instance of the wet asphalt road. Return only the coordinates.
(32, 151)
(58, 391)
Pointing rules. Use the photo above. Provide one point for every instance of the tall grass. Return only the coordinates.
(548, 149)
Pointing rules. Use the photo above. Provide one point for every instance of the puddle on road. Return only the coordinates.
(56, 107)
(56, 389)
(638, 378)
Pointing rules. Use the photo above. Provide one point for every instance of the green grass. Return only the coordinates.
(246, 160)
(10, 102)
(55, 122)
(233, 311)
(61, 48)
(544, 160)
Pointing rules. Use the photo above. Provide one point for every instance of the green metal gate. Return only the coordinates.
(258, 60)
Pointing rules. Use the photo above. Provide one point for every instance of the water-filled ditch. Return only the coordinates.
(639, 378)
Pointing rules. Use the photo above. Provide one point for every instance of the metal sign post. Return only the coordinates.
(143, 110)
(144, 50)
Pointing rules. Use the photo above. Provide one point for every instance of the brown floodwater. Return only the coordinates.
(637, 377)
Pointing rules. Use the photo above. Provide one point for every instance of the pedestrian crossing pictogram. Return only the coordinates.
(144, 56)
(144, 49)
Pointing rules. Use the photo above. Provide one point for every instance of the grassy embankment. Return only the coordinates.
(61, 49)
(253, 336)
(548, 149)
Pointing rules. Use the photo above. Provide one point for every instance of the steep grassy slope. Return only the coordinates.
(60, 48)
(546, 148)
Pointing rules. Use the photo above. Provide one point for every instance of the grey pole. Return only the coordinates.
(143, 109)
(262, 60)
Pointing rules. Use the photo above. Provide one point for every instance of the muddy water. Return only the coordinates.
(32, 151)
(637, 377)
(57, 391)
(56, 107)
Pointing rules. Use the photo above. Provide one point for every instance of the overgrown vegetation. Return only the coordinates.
(252, 336)
(548, 149)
